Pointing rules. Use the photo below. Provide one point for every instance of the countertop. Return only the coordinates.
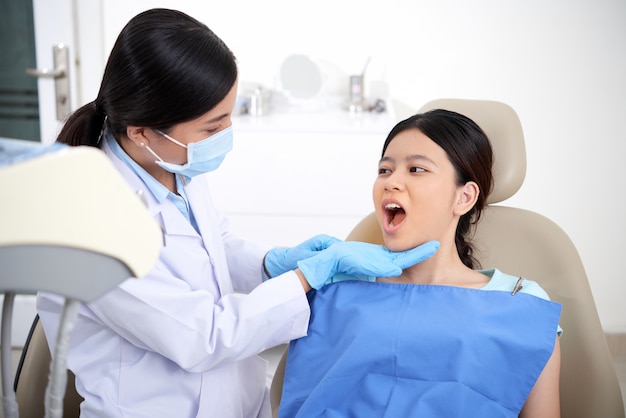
(328, 114)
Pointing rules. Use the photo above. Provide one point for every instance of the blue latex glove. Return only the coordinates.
(281, 260)
(361, 259)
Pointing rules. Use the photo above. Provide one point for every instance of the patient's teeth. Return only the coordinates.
(392, 206)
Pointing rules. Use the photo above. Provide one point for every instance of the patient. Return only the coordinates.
(444, 339)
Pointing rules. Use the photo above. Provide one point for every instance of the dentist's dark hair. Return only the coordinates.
(165, 68)
(471, 155)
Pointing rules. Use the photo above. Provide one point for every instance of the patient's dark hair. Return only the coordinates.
(470, 153)
(165, 68)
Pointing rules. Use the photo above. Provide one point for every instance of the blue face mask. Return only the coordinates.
(202, 156)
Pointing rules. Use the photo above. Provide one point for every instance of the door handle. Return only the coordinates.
(45, 73)
(60, 74)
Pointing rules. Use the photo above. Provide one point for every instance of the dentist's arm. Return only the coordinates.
(305, 285)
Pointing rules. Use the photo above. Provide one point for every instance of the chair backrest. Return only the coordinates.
(524, 243)
(31, 378)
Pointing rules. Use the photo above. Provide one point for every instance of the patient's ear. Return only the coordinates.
(467, 195)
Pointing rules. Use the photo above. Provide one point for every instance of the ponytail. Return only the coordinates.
(84, 126)
(464, 247)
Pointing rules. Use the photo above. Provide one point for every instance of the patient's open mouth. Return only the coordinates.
(394, 214)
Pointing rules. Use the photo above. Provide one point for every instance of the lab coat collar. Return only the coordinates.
(159, 191)
(147, 185)
(134, 181)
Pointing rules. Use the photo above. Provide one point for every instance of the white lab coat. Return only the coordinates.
(180, 342)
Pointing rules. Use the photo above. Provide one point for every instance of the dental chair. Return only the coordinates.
(70, 226)
(524, 243)
(31, 378)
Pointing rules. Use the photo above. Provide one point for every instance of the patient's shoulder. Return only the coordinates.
(506, 282)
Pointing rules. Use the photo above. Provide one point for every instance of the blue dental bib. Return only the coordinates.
(395, 350)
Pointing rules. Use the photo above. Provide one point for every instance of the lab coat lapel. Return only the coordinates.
(208, 222)
(176, 223)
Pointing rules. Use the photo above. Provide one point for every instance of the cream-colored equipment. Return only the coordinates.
(524, 243)
(69, 225)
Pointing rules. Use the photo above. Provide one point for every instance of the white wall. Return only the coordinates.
(561, 64)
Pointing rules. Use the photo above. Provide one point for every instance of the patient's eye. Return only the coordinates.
(383, 171)
(416, 169)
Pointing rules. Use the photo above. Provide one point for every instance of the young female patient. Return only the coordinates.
(443, 339)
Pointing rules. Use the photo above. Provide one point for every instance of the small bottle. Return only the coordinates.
(257, 107)
(356, 93)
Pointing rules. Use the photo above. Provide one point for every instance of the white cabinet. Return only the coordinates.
(293, 175)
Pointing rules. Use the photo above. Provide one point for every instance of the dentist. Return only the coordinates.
(183, 341)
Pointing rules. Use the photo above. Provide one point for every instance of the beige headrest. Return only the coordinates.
(504, 130)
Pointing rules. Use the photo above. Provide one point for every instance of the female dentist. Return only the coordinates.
(183, 341)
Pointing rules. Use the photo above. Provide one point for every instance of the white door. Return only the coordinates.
(75, 26)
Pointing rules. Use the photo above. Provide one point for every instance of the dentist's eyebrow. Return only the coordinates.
(215, 119)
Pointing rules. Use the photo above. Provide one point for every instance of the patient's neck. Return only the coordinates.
(441, 269)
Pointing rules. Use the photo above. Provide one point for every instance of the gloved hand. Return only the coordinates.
(281, 260)
(361, 259)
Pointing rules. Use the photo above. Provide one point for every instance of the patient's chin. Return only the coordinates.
(394, 245)
(400, 245)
